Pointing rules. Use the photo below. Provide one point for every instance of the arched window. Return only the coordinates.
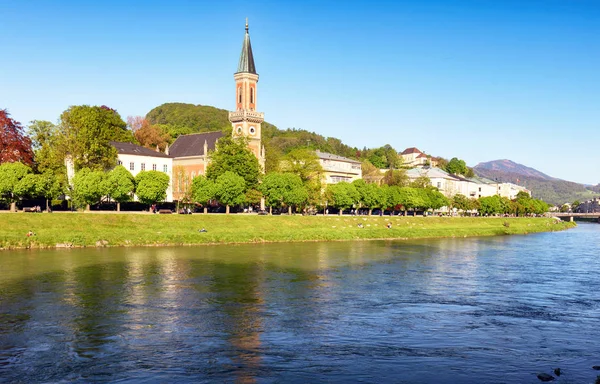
(252, 95)
(240, 95)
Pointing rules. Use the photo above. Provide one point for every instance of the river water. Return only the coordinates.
(481, 310)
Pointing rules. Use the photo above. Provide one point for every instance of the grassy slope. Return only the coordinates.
(81, 229)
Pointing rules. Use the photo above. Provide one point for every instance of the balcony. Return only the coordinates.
(255, 117)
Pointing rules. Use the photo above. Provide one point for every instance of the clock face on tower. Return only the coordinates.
(252, 131)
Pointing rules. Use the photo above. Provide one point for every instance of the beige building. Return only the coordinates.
(338, 168)
(412, 157)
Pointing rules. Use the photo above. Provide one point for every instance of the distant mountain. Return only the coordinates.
(508, 166)
(550, 189)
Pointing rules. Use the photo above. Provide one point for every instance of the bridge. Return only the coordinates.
(569, 216)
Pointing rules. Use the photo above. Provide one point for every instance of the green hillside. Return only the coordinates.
(182, 118)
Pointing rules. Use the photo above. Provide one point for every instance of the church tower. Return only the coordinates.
(245, 120)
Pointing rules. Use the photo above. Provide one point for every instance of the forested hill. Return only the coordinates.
(182, 118)
(551, 190)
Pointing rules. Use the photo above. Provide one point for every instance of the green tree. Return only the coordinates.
(203, 191)
(370, 195)
(283, 189)
(86, 132)
(10, 175)
(119, 185)
(88, 187)
(461, 202)
(151, 186)
(49, 154)
(233, 155)
(434, 199)
(342, 195)
(490, 205)
(457, 167)
(51, 185)
(230, 189)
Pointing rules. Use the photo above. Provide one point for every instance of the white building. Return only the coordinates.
(473, 187)
(136, 159)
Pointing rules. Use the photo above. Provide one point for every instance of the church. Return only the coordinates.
(190, 152)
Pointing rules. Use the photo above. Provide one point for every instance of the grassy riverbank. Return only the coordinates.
(90, 230)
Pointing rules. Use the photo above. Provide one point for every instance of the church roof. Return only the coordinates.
(246, 63)
(132, 149)
(193, 145)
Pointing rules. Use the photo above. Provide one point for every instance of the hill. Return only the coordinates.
(508, 166)
(550, 189)
(182, 118)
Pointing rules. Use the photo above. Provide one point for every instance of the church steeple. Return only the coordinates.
(246, 64)
(245, 120)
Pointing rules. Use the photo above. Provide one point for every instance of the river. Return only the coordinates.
(474, 310)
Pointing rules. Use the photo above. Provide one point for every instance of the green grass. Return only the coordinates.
(86, 229)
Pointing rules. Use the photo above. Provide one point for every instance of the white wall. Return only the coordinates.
(149, 161)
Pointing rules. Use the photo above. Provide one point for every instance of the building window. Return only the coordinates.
(240, 95)
(165, 168)
(439, 184)
(154, 167)
(143, 168)
(252, 95)
(119, 162)
(132, 166)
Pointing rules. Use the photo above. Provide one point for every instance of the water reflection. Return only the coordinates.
(370, 311)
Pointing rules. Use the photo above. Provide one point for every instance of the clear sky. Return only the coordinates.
(478, 80)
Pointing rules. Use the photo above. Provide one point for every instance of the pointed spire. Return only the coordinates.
(246, 63)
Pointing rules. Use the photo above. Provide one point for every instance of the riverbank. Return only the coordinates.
(66, 230)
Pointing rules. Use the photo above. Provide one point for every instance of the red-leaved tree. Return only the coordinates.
(14, 145)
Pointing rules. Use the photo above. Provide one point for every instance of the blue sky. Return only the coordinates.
(479, 80)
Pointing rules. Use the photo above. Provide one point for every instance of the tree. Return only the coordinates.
(342, 195)
(88, 187)
(283, 189)
(370, 195)
(304, 163)
(46, 141)
(411, 198)
(395, 177)
(461, 202)
(421, 182)
(119, 185)
(14, 145)
(369, 170)
(230, 189)
(457, 167)
(28, 186)
(51, 185)
(86, 132)
(148, 135)
(434, 199)
(10, 175)
(151, 186)
(490, 205)
(233, 155)
(253, 196)
(203, 191)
